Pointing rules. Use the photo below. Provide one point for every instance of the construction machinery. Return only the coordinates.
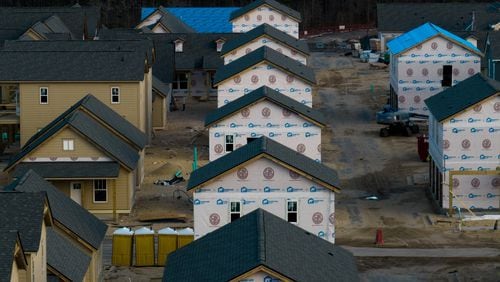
(399, 122)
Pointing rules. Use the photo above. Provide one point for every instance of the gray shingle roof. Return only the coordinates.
(64, 210)
(494, 46)
(65, 257)
(23, 212)
(173, 23)
(72, 61)
(461, 96)
(76, 170)
(96, 133)
(261, 30)
(260, 238)
(264, 146)
(452, 16)
(105, 114)
(259, 94)
(269, 55)
(272, 3)
(8, 240)
(19, 19)
(161, 87)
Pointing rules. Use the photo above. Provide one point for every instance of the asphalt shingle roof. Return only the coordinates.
(16, 20)
(452, 16)
(65, 257)
(264, 146)
(462, 96)
(269, 55)
(271, 3)
(259, 94)
(161, 87)
(23, 212)
(260, 238)
(172, 22)
(494, 38)
(422, 33)
(8, 240)
(75, 170)
(99, 135)
(105, 114)
(64, 210)
(261, 30)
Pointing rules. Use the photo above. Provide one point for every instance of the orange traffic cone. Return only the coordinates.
(379, 238)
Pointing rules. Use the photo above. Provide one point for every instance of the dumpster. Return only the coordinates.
(185, 237)
(122, 247)
(144, 247)
(167, 243)
(423, 147)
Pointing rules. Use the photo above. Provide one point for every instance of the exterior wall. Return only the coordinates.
(199, 85)
(470, 144)
(280, 125)
(419, 72)
(287, 84)
(260, 276)
(265, 14)
(35, 116)
(37, 262)
(159, 111)
(14, 273)
(152, 19)
(264, 41)
(264, 184)
(147, 105)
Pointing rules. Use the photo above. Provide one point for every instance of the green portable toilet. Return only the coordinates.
(122, 247)
(167, 243)
(144, 247)
(185, 237)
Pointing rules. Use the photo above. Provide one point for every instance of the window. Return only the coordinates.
(100, 191)
(447, 74)
(229, 143)
(68, 144)
(179, 46)
(235, 211)
(220, 43)
(212, 77)
(115, 95)
(291, 211)
(181, 80)
(44, 95)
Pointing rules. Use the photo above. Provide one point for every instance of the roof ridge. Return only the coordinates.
(261, 236)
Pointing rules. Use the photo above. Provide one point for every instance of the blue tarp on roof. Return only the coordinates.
(422, 33)
(204, 20)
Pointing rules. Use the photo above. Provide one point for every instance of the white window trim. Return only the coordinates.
(40, 95)
(231, 212)
(297, 212)
(93, 192)
(119, 95)
(69, 142)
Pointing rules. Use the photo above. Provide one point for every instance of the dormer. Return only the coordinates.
(179, 45)
(220, 43)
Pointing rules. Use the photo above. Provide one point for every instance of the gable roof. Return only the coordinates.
(171, 22)
(259, 55)
(64, 210)
(96, 133)
(17, 20)
(66, 258)
(453, 16)
(260, 94)
(271, 3)
(105, 114)
(261, 30)
(462, 96)
(69, 170)
(205, 19)
(266, 147)
(23, 212)
(423, 33)
(8, 240)
(260, 239)
(161, 87)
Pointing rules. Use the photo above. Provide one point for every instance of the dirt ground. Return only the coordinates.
(349, 93)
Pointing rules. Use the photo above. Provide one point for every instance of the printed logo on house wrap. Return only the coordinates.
(245, 112)
(456, 182)
(293, 174)
(309, 134)
(286, 113)
(268, 202)
(218, 148)
(496, 107)
(425, 72)
(471, 71)
(331, 218)
(221, 202)
(246, 189)
(237, 79)
(401, 99)
(317, 218)
(288, 125)
(214, 219)
(495, 182)
(486, 143)
(473, 120)
(271, 17)
(268, 173)
(242, 173)
(266, 112)
(319, 148)
(475, 182)
(465, 144)
(312, 201)
(301, 148)
(268, 189)
(198, 202)
(272, 79)
(289, 78)
(446, 144)
(224, 190)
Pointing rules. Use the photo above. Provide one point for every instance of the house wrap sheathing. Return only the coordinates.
(464, 143)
